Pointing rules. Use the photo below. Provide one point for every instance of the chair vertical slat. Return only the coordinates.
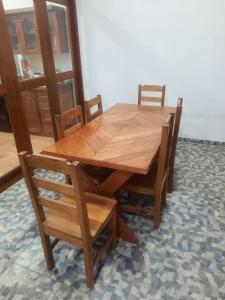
(163, 154)
(38, 209)
(33, 190)
(174, 143)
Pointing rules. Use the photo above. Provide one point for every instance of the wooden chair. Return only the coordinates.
(174, 143)
(155, 182)
(88, 106)
(151, 89)
(76, 217)
(69, 121)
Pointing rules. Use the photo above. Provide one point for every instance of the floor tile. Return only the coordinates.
(184, 259)
(20, 283)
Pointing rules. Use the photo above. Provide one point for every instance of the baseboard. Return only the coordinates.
(206, 142)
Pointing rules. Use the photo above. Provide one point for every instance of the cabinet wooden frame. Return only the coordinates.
(12, 87)
(2, 90)
(11, 92)
(10, 178)
(33, 83)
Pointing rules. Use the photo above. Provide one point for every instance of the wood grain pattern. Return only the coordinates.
(126, 137)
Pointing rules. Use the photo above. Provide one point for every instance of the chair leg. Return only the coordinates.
(89, 267)
(47, 248)
(114, 229)
(157, 211)
(164, 195)
(170, 178)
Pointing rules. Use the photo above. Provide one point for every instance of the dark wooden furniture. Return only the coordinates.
(93, 108)
(69, 121)
(126, 138)
(155, 182)
(24, 34)
(11, 87)
(37, 108)
(142, 98)
(76, 217)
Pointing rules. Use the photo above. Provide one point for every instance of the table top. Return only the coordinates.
(126, 137)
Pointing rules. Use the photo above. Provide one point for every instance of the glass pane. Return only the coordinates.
(13, 34)
(60, 36)
(8, 152)
(24, 38)
(29, 33)
(67, 96)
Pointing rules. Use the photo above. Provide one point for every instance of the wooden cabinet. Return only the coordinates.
(24, 33)
(45, 114)
(32, 112)
(37, 109)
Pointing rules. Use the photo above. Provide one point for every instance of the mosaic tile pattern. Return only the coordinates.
(185, 259)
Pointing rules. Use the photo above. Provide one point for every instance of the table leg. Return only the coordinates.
(108, 188)
(125, 233)
(114, 182)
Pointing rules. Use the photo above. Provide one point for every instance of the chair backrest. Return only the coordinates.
(174, 141)
(164, 152)
(75, 192)
(177, 125)
(69, 121)
(89, 105)
(151, 93)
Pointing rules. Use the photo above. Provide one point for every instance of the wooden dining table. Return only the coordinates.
(125, 138)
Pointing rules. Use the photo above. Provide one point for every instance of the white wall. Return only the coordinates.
(177, 42)
(12, 4)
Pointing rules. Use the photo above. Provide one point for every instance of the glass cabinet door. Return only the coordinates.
(60, 36)
(13, 32)
(53, 31)
(29, 34)
(24, 35)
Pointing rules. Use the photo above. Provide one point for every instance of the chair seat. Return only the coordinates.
(99, 210)
(144, 184)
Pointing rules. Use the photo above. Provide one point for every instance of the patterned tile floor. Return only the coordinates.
(185, 259)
